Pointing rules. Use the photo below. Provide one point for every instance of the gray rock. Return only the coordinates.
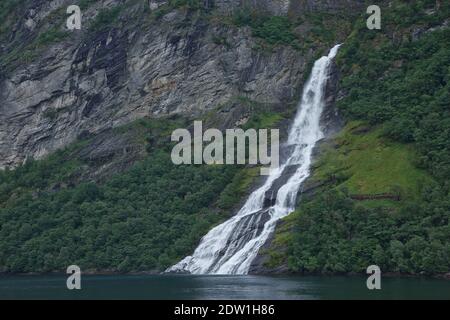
(299, 7)
(93, 81)
(275, 7)
(105, 79)
(331, 123)
(331, 120)
(291, 7)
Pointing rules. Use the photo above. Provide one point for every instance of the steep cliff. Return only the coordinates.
(97, 107)
(128, 62)
(378, 192)
(91, 94)
(100, 78)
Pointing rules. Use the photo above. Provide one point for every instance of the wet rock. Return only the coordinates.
(275, 7)
(260, 263)
(104, 79)
(301, 6)
(331, 120)
(271, 194)
(285, 7)
(331, 123)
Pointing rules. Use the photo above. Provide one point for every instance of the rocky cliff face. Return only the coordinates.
(331, 6)
(275, 7)
(96, 80)
(140, 65)
(293, 7)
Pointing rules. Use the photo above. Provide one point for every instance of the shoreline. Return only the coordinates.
(440, 276)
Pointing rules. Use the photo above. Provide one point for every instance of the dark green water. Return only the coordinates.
(220, 287)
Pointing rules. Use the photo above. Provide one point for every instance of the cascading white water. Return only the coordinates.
(231, 247)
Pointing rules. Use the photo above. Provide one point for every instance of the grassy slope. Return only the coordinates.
(48, 210)
(361, 161)
(396, 86)
(51, 217)
(370, 163)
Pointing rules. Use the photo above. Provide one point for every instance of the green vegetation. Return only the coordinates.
(413, 94)
(396, 141)
(239, 186)
(259, 115)
(365, 162)
(50, 113)
(273, 29)
(16, 56)
(334, 234)
(84, 4)
(106, 18)
(125, 224)
(49, 31)
(37, 175)
(310, 29)
(331, 233)
(51, 36)
(7, 8)
(264, 120)
(188, 5)
(396, 85)
(220, 40)
(49, 220)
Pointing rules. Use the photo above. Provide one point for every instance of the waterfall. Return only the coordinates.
(231, 247)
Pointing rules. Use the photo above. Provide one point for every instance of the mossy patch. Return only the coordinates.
(237, 189)
(368, 163)
(360, 160)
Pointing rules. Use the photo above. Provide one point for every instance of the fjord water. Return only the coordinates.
(209, 287)
(231, 247)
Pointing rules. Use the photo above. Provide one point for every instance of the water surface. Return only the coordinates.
(190, 287)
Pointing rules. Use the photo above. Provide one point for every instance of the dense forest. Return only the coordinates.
(394, 94)
(143, 219)
(397, 83)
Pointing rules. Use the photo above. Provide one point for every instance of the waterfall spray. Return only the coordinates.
(231, 247)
